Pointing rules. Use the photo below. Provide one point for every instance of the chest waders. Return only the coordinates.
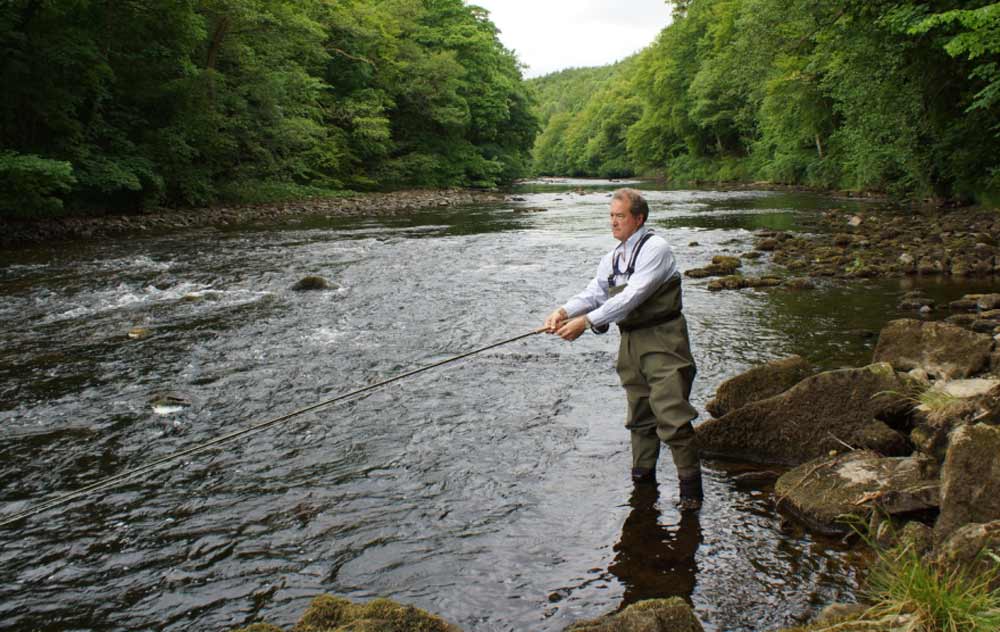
(657, 369)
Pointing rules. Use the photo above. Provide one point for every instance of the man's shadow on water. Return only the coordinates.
(654, 560)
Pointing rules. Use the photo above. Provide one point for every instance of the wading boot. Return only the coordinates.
(643, 475)
(690, 492)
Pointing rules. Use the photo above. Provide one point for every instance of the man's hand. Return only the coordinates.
(555, 320)
(571, 329)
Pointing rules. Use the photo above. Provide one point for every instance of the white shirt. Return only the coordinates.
(653, 267)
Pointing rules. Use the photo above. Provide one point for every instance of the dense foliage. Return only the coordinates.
(899, 96)
(184, 102)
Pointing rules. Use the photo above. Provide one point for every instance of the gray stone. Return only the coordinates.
(761, 382)
(829, 493)
(942, 349)
(970, 479)
(819, 414)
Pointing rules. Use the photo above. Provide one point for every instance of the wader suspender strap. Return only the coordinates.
(630, 270)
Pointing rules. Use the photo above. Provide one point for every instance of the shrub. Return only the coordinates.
(31, 185)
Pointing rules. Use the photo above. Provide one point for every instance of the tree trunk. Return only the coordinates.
(819, 147)
(221, 29)
(217, 38)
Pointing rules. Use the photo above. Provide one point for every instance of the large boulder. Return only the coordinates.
(652, 615)
(941, 349)
(974, 549)
(831, 493)
(761, 382)
(828, 411)
(970, 479)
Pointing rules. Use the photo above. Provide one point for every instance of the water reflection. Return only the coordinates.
(654, 560)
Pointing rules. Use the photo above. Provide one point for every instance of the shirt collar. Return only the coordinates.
(633, 239)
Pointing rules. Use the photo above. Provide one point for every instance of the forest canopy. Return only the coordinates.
(894, 96)
(123, 105)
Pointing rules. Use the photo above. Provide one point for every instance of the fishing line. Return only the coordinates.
(112, 481)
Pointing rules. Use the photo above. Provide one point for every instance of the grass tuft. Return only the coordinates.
(933, 599)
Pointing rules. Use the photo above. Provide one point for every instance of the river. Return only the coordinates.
(493, 492)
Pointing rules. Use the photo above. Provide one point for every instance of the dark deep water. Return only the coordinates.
(493, 492)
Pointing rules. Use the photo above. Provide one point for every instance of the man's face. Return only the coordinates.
(623, 222)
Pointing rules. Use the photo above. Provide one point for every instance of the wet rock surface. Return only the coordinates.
(313, 283)
(821, 413)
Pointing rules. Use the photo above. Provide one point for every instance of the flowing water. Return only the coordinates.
(493, 491)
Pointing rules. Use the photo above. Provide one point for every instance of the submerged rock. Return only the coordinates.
(830, 493)
(652, 615)
(168, 402)
(721, 266)
(942, 349)
(819, 414)
(313, 283)
(761, 382)
(970, 479)
(800, 283)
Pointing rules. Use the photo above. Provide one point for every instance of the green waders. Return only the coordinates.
(656, 368)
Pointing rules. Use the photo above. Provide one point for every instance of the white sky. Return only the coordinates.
(550, 35)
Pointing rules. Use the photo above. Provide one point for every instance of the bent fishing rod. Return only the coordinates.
(115, 480)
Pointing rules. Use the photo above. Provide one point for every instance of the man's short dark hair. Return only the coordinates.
(636, 203)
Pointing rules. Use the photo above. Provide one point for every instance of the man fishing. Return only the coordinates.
(638, 287)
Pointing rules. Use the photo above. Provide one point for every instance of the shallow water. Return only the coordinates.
(493, 492)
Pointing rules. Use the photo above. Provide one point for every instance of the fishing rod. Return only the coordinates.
(113, 481)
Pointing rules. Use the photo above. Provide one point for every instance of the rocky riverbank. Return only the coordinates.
(880, 243)
(903, 449)
(44, 230)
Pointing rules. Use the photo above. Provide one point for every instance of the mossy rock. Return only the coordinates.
(260, 627)
(653, 615)
(817, 415)
(760, 382)
(732, 282)
(327, 613)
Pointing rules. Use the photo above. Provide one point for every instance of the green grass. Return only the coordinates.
(934, 598)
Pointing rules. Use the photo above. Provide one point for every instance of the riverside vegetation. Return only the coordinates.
(901, 96)
(124, 106)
